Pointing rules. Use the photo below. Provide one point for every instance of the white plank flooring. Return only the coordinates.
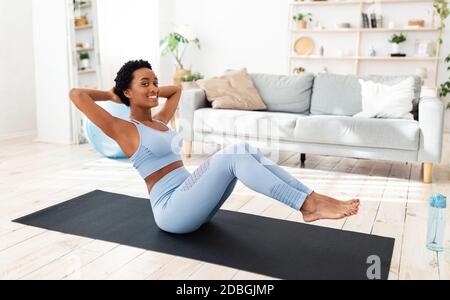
(34, 176)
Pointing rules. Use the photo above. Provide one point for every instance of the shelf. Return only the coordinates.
(87, 71)
(83, 27)
(353, 30)
(84, 49)
(406, 58)
(349, 30)
(354, 2)
(312, 3)
(323, 57)
(424, 29)
(84, 6)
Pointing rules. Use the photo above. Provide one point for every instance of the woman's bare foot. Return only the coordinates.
(317, 207)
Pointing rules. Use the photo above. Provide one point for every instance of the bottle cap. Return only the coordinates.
(438, 201)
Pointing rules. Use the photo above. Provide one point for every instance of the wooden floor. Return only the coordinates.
(37, 175)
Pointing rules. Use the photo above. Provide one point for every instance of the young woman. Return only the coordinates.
(181, 201)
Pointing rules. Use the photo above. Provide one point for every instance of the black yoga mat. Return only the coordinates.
(276, 248)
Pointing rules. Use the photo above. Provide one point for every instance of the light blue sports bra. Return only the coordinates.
(156, 150)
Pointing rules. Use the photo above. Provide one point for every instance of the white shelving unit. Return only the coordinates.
(83, 39)
(359, 35)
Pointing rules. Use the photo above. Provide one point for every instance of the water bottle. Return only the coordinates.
(436, 222)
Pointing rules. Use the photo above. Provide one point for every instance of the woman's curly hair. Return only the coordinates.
(125, 76)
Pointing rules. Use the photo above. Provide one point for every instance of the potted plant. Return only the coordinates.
(299, 70)
(301, 19)
(84, 61)
(396, 40)
(190, 79)
(175, 44)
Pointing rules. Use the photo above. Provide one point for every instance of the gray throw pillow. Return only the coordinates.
(285, 93)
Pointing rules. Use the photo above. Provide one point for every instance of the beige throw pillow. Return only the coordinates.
(234, 90)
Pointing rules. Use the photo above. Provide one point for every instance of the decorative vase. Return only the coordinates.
(179, 74)
(302, 24)
(85, 64)
(189, 85)
(395, 48)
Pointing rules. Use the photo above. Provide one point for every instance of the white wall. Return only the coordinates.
(50, 29)
(233, 34)
(128, 30)
(18, 109)
(254, 34)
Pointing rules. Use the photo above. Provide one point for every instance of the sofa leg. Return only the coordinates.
(302, 158)
(187, 149)
(427, 172)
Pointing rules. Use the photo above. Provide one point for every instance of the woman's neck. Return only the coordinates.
(140, 114)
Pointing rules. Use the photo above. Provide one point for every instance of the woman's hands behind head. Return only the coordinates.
(114, 97)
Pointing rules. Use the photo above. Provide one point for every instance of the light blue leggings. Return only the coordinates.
(182, 202)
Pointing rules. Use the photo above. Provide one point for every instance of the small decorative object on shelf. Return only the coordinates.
(372, 52)
(321, 50)
(416, 23)
(343, 25)
(379, 21)
(84, 61)
(304, 45)
(396, 40)
(81, 21)
(318, 26)
(423, 48)
(298, 70)
(301, 19)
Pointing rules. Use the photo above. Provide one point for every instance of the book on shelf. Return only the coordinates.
(373, 20)
(365, 20)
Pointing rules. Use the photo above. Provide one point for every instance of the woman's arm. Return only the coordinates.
(97, 95)
(173, 95)
(84, 100)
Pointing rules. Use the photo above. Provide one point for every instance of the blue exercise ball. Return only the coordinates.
(100, 141)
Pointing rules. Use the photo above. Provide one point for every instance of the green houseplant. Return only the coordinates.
(84, 61)
(443, 12)
(444, 88)
(302, 19)
(189, 80)
(192, 77)
(176, 44)
(396, 40)
(299, 70)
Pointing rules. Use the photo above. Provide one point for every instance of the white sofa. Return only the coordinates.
(313, 115)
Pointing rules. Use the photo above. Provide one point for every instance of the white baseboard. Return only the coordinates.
(12, 135)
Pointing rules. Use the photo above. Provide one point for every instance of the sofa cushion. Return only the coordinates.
(340, 95)
(285, 93)
(246, 123)
(335, 94)
(393, 80)
(233, 90)
(349, 131)
(387, 101)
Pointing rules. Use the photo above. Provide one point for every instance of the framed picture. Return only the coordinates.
(423, 48)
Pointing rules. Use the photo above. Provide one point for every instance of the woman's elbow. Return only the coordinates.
(74, 94)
